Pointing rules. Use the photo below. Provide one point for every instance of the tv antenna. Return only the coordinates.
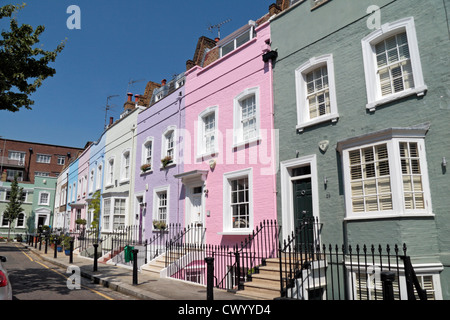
(108, 107)
(132, 82)
(218, 27)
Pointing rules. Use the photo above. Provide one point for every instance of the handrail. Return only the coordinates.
(251, 260)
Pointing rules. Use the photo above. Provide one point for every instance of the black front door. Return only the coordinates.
(303, 212)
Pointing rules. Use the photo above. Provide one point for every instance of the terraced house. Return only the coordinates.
(361, 104)
(159, 157)
(119, 166)
(321, 123)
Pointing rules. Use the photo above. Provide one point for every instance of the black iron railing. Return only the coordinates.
(232, 265)
(311, 270)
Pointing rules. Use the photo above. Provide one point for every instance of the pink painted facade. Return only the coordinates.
(229, 158)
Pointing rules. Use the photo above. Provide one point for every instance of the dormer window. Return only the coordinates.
(237, 39)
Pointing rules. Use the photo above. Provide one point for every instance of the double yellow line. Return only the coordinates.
(63, 275)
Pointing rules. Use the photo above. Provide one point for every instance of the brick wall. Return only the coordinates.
(31, 151)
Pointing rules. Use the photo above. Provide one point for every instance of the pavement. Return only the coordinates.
(120, 278)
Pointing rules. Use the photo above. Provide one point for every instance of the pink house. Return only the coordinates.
(229, 151)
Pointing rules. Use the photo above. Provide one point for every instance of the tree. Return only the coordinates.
(23, 67)
(95, 206)
(14, 207)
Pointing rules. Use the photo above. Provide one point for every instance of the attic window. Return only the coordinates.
(237, 39)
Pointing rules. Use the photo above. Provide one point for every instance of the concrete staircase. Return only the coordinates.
(159, 263)
(264, 285)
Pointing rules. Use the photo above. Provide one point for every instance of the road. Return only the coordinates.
(35, 279)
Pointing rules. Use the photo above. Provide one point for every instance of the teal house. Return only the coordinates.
(37, 207)
(361, 103)
(43, 204)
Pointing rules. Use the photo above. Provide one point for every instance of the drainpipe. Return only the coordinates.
(179, 98)
(67, 199)
(132, 169)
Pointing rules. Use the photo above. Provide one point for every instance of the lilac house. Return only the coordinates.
(159, 157)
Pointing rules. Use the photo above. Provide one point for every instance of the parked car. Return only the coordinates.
(5, 285)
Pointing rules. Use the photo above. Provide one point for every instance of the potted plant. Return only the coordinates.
(80, 221)
(146, 167)
(159, 225)
(166, 160)
(66, 243)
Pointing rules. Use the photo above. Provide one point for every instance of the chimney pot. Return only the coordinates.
(130, 95)
(163, 82)
(111, 119)
(136, 98)
(217, 39)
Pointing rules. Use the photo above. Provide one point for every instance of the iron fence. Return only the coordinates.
(310, 270)
(233, 265)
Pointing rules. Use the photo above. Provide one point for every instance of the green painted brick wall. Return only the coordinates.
(340, 27)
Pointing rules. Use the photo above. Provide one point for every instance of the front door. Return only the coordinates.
(195, 221)
(303, 208)
(41, 221)
(196, 208)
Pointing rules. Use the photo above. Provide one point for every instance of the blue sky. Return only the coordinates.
(119, 42)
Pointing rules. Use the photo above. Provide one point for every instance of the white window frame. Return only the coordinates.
(43, 158)
(17, 155)
(61, 160)
(111, 215)
(164, 142)
(23, 222)
(248, 30)
(10, 174)
(392, 138)
(98, 182)
(156, 206)
(46, 203)
(91, 180)
(201, 139)
(106, 214)
(373, 89)
(41, 174)
(227, 211)
(114, 215)
(372, 273)
(238, 136)
(303, 119)
(110, 173)
(125, 167)
(145, 157)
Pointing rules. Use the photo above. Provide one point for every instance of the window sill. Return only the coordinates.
(250, 142)
(331, 117)
(205, 156)
(419, 91)
(389, 216)
(243, 232)
(124, 181)
(170, 165)
(146, 172)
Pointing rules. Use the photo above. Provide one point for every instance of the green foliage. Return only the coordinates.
(95, 206)
(23, 66)
(14, 206)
